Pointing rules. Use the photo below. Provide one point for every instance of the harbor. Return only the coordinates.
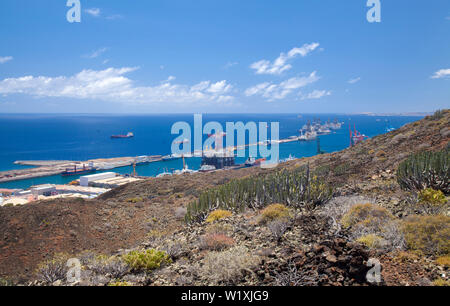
(90, 178)
(299, 138)
(42, 168)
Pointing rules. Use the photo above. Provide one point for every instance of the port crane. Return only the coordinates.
(355, 136)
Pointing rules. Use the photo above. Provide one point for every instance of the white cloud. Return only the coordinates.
(96, 53)
(112, 85)
(443, 73)
(93, 11)
(5, 59)
(114, 17)
(280, 91)
(230, 64)
(355, 80)
(171, 78)
(315, 94)
(219, 87)
(96, 12)
(280, 64)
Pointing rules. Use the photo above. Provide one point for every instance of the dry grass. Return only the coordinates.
(226, 267)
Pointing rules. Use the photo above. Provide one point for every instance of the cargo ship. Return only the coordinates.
(129, 135)
(79, 171)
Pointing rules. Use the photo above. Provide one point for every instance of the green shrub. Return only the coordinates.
(429, 235)
(4, 282)
(146, 260)
(295, 188)
(431, 196)
(425, 170)
(431, 202)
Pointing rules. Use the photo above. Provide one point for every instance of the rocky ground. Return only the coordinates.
(148, 214)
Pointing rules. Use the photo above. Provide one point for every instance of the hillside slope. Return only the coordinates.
(33, 233)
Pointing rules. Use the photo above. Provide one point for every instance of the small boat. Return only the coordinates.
(164, 174)
(250, 162)
(290, 158)
(183, 171)
(129, 135)
(207, 168)
(389, 128)
(170, 157)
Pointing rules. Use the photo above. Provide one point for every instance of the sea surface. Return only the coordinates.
(83, 137)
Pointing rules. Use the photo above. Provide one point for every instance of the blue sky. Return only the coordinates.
(257, 56)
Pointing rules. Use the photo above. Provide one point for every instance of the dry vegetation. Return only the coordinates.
(314, 221)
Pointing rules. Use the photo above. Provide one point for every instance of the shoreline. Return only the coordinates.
(45, 168)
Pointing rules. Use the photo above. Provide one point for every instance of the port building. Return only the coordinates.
(87, 179)
(107, 180)
(219, 160)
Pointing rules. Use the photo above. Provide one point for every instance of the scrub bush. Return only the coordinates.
(429, 235)
(274, 212)
(54, 269)
(371, 241)
(226, 267)
(366, 215)
(215, 242)
(217, 215)
(434, 197)
(443, 261)
(146, 260)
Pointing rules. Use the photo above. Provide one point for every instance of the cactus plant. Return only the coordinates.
(425, 170)
(295, 188)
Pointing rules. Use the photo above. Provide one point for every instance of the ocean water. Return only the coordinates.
(83, 137)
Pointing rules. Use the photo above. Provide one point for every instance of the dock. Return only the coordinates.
(44, 168)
